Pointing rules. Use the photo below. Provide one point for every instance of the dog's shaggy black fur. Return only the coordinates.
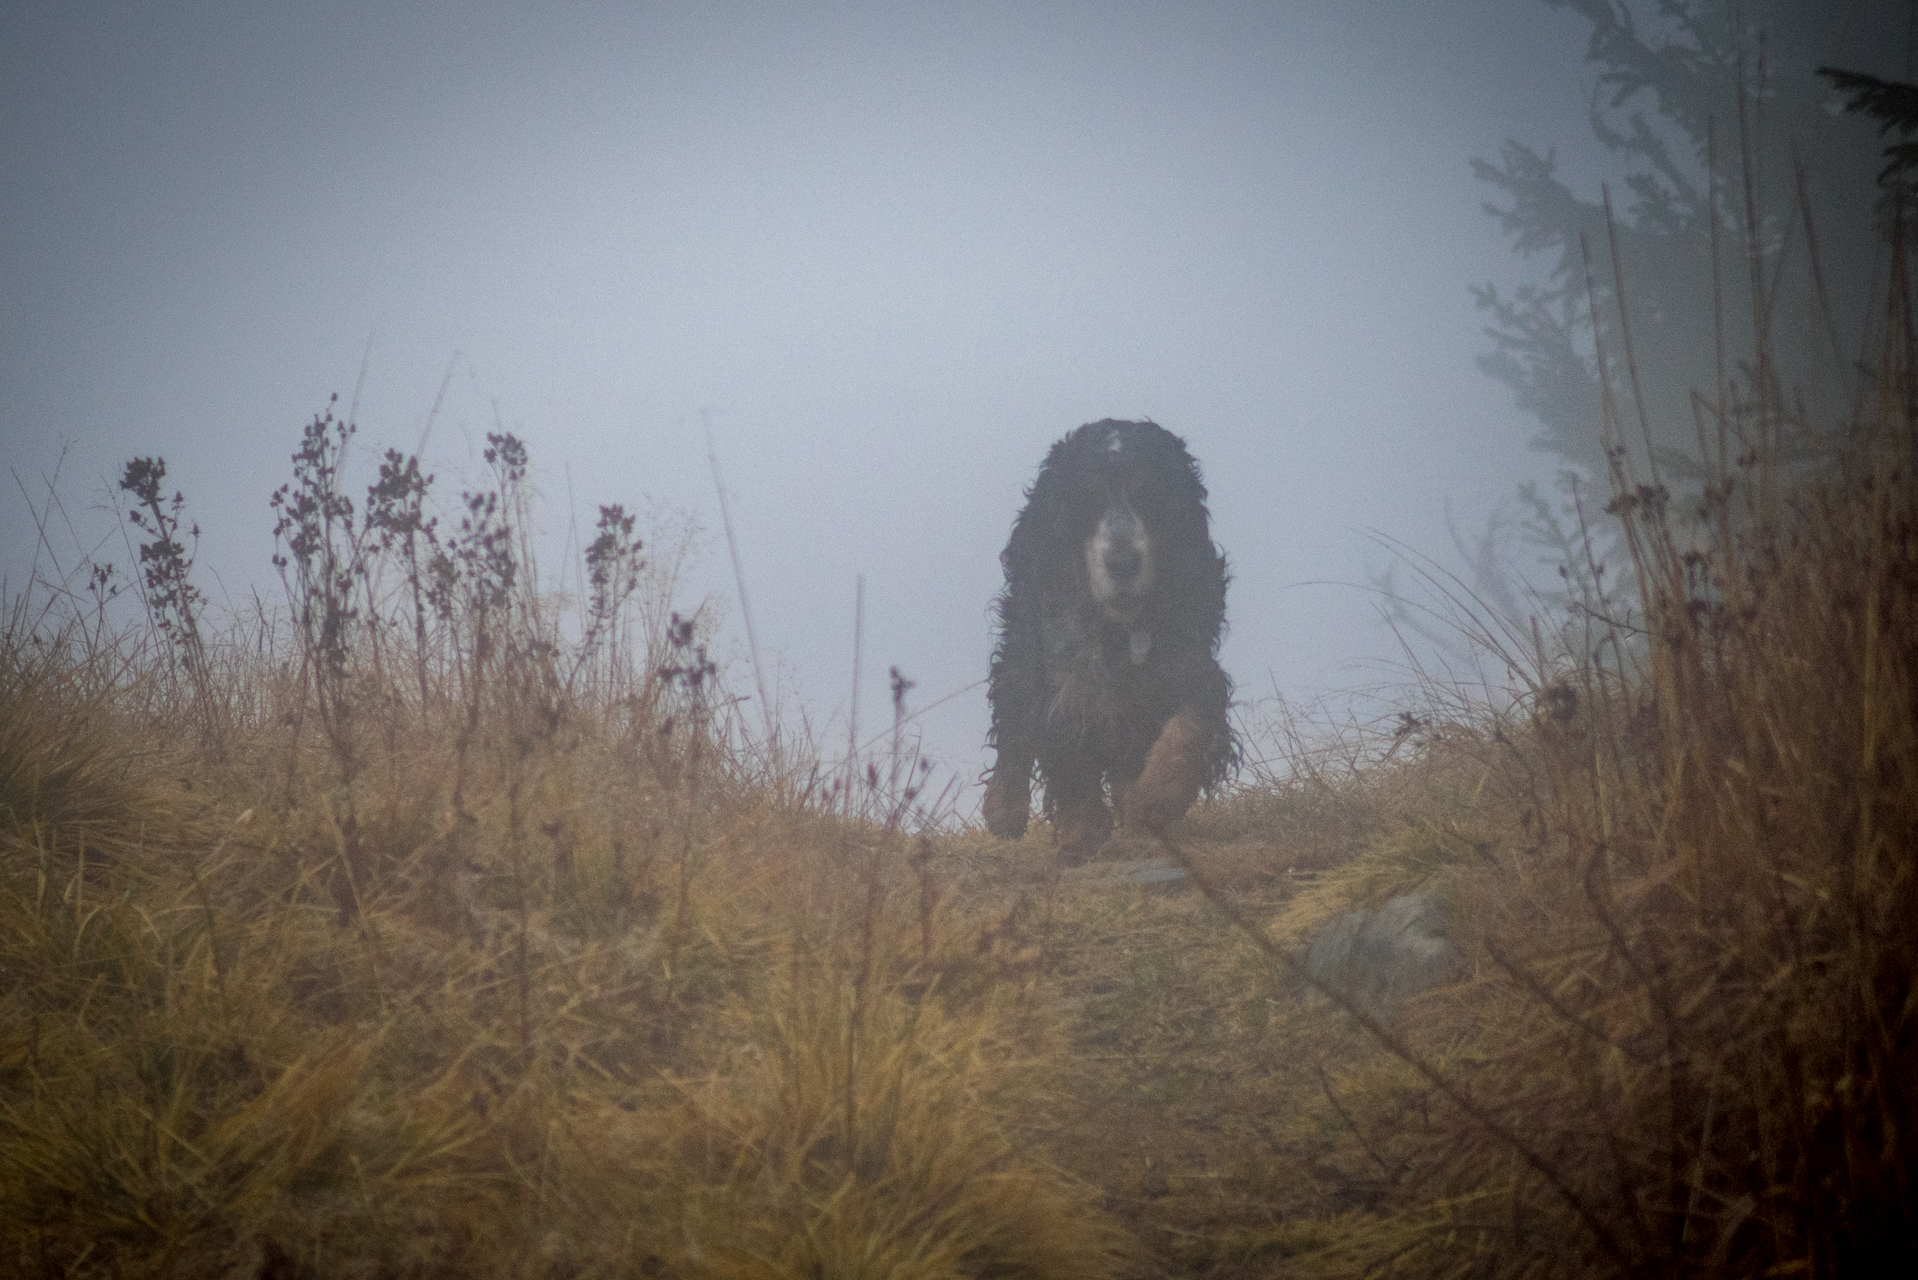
(1106, 671)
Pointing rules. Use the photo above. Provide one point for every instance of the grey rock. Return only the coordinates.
(1379, 958)
(1151, 873)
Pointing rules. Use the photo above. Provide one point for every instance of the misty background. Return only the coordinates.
(885, 253)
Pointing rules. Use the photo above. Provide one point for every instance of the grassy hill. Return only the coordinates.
(412, 933)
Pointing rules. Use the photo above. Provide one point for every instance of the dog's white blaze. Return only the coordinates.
(1126, 532)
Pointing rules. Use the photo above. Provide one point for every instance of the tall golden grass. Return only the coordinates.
(1687, 874)
(456, 963)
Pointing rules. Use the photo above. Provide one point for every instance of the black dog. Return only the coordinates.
(1106, 671)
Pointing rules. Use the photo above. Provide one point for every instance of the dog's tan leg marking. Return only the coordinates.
(1174, 770)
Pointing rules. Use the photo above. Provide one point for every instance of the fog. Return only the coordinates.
(886, 253)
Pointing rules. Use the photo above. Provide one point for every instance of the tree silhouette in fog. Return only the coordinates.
(1731, 145)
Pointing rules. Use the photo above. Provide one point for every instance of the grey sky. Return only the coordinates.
(891, 250)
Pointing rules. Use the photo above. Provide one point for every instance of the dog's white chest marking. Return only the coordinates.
(1140, 644)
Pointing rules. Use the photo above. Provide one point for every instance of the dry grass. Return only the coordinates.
(522, 975)
(607, 1032)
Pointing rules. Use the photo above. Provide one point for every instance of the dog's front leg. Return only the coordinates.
(1174, 772)
(1008, 802)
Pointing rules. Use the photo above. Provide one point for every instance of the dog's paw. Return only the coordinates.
(1174, 771)
(1084, 827)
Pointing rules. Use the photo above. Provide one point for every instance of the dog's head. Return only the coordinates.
(1117, 520)
(1132, 478)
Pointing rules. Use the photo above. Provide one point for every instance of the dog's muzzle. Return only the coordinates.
(1119, 560)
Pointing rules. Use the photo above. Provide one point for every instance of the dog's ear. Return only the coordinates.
(1043, 527)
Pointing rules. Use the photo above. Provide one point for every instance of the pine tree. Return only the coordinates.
(1734, 155)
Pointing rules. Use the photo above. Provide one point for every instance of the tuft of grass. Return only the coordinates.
(464, 950)
(1685, 870)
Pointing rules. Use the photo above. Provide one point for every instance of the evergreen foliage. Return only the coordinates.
(1746, 211)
